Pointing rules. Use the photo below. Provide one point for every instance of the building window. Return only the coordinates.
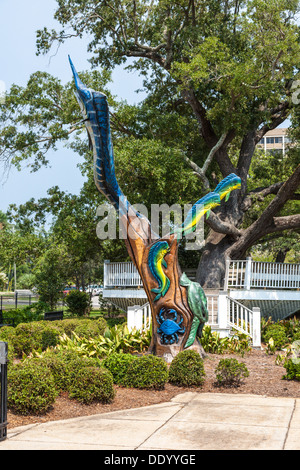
(278, 140)
(270, 140)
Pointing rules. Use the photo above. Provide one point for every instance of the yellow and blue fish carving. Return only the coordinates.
(227, 185)
(199, 209)
(156, 262)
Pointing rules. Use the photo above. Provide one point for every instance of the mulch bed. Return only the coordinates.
(265, 378)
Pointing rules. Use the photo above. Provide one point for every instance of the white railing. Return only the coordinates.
(139, 317)
(125, 274)
(121, 275)
(212, 307)
(224, 312)
(244, 320)
(248, 274)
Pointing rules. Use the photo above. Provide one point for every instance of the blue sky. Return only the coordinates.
(19, 21)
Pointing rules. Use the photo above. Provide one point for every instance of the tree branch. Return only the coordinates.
(267, 222)
(218, 225)
(288, 222)
(201, 172)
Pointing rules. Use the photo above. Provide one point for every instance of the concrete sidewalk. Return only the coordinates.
(190, 421)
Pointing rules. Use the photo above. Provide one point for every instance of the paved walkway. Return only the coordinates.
(190, 421)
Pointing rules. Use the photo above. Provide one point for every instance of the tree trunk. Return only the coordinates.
(172, 316)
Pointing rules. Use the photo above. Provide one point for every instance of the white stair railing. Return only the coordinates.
(244, 320)
(233, 314)
(139, 317)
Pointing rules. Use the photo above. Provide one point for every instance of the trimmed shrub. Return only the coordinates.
(147, 372)
(36, 335)
(277, 332)
(31, 389)
(230, 372)
(92, 384)
(88, 329)
(292, 367)
(66, 325)
(57, 367)
(117, 364)
(78, 302)
(187, 369)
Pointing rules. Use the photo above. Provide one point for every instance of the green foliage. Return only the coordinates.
(31, 389)
(57, 366)
(230, 372)
(277, 333)
(40, 335)
(115, 339)
(51, 274)
(147, 372)
(78, 303)
(6, 333)
(212, 342)
(26, 314)
(292, 367)
(92, 384)
(90, 328)
(117, 364)
(64, 365)
(187, 369)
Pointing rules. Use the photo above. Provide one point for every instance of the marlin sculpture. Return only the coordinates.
(176, 297)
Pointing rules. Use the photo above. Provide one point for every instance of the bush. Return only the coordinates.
(277, 332)
(78, 302)
(81, 326)
(36, 335)
(57, 368)
(26, 314)
(187, 369)
(102, 325)
(212, 342)
(117, 364)
(147, 372)
(230, 372)
(31, 389)
(65, 365)
(292, 367)
(89, 328)
(92, 384)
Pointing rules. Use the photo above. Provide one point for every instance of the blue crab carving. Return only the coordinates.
(169, 329)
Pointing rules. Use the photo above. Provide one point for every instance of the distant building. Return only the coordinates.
(275, 141)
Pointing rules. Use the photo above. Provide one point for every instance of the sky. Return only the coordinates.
(19, 21)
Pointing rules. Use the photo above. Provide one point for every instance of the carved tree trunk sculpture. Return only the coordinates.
(178, 305)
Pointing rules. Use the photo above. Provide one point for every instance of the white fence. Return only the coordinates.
(250, 274)
(121, 275)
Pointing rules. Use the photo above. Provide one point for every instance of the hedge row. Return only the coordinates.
(40, 335)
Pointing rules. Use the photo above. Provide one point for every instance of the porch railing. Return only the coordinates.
(121, 275)
(125, 274)
(249, 274)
